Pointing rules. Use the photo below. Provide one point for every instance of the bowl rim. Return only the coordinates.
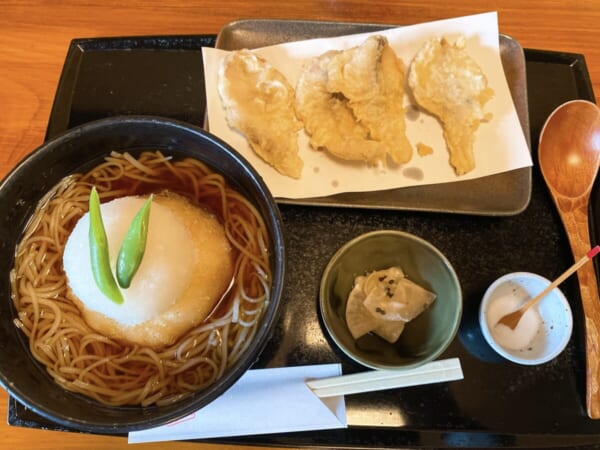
(402, 234)
(497, 347)
(272, 217)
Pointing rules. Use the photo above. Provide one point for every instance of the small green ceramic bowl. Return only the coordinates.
(426, 337)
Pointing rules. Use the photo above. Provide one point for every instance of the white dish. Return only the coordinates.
(503, 194)
(554, 328)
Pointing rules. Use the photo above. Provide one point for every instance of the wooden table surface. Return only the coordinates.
(35, 35)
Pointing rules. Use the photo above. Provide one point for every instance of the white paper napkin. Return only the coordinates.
(500, 144)
(261, 401)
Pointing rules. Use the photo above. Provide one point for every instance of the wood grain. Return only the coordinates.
(34, 37)
(569, 154)
(575, 219)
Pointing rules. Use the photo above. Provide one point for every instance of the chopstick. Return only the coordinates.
(378, 380)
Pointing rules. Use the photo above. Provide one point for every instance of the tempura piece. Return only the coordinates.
(424, 149)
(446, 81)
(371, 77)
(259, 102)
(327, 118)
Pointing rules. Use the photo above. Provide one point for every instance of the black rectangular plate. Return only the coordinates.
(498, 404)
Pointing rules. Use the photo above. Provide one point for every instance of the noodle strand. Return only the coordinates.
(118, 373)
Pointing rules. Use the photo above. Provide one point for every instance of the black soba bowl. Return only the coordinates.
(78, 150)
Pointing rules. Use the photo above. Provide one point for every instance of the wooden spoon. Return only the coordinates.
(569, 153)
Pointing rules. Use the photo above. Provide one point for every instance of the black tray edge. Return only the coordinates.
(20, 416)
(59, 115)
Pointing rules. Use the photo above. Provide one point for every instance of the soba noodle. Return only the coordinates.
(118, 373)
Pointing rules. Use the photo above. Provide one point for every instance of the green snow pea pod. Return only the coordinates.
(100, 259)
(133, 246)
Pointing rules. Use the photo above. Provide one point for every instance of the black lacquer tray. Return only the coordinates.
(498, 404)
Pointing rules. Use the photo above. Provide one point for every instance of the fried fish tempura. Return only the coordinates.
(447, 82)
(371, 77)
(327, 118)
(259, 102)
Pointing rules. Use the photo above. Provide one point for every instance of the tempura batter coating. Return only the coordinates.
(448, 82)
(327, 118)
(259, 102)
(372, 77)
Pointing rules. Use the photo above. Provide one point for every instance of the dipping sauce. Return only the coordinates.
(525, 331)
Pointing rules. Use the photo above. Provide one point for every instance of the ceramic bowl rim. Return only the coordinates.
(406, 235)
(497, 347)
(271, 216)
